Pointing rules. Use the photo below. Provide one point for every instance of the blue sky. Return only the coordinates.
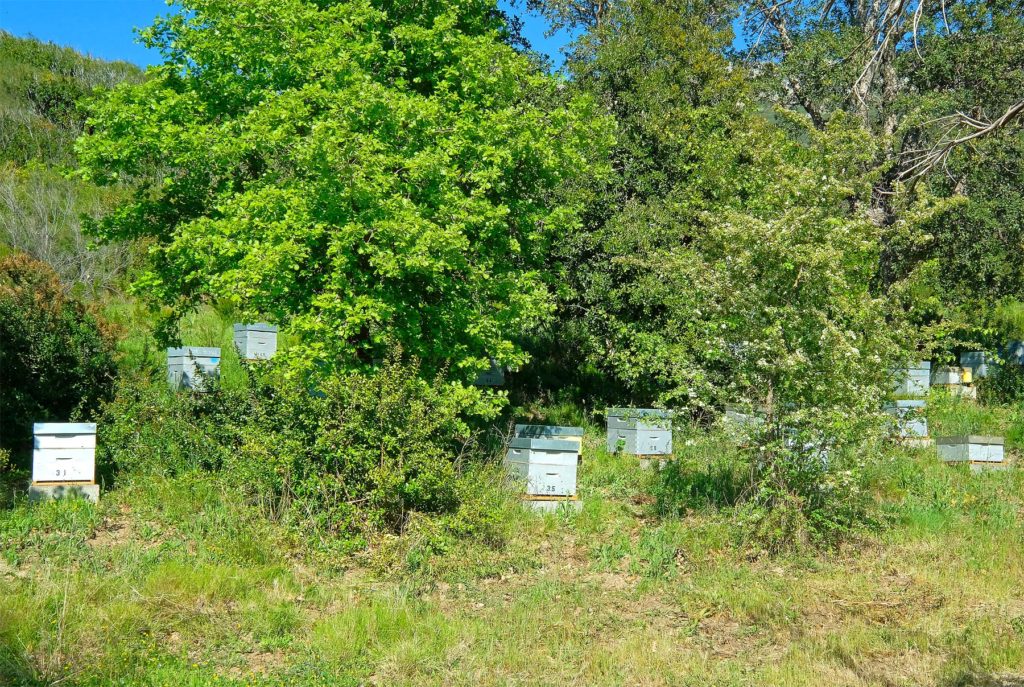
(103, 28)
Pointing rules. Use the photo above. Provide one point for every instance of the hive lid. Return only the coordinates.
(970, 439)
(256, 327)
(545, 444)
(638, 412)
(194, 352)
(64, 428)
(547, 431)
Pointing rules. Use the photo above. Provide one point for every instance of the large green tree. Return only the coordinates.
(940, 87)
(367, 171)
(732, 257)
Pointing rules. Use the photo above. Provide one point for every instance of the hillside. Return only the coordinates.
(41, 85)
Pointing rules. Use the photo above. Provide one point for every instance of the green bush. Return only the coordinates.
(1004, 385)
(56, 358)
(789, 488)
(358, 455)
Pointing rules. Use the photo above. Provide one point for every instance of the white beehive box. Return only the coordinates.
(64, 452)
(910, 420)
(188, 366)
(970, 449)
(947, 376)
(639, 431)
(913, 380)
(548, 466)
(256, 341)
(1014, 353)
(742, 416)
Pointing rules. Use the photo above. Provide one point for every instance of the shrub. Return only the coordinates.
(789, 488)
(800, 500)
(56, 358)
(358, 455)
(1004, 385)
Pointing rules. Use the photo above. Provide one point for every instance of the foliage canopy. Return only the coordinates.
(367, 172)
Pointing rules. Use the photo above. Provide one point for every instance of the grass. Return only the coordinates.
(174, 582)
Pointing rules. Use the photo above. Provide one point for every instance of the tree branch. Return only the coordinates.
(922, 161)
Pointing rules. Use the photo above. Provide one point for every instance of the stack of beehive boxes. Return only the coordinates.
(64, 460)
(546, 458)
(979, 363)
(257, 341)
(495, 376)
(189, 367)
(958, 381)
(1014, 353)
(911, 423)
(910, 389)
(642, 432)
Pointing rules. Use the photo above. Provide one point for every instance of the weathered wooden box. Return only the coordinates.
(913, 380)
(977, 362)
(970, 449)
(547, 465)
(910, 420)
(256, 341)
(495, 376)
(189, 366)
(64, 452)
(639, 431)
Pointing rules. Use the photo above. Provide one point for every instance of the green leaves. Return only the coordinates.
(366, 172)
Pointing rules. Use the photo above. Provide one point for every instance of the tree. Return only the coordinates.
(861, 57)
(732, 257)
(56, 358)
(368, 172)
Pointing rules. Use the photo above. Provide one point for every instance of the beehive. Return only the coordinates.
(256, 341)
(639, 431)
(947, 376)
(187, 367)
(914, 380)
(1014, 353)
(495, 376)
(970, 449)
(977, 362)
(547, 465)
(910, 419)
(743, 416)
(64, 452)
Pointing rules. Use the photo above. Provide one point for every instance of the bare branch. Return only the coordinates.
(921, 162)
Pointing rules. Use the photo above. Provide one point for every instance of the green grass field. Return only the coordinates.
(170, 582)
